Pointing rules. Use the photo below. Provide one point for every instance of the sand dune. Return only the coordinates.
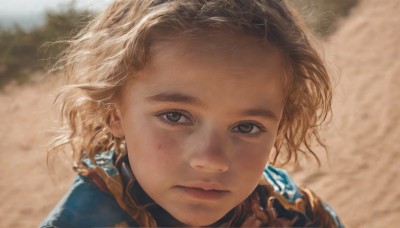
(361, 180)
(27, 190)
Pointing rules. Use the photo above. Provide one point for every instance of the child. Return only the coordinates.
(173, 108)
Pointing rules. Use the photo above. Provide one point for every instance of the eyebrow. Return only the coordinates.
(261, 112)
(183, 98)
(174, 97)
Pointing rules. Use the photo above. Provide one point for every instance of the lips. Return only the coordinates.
(203, 191)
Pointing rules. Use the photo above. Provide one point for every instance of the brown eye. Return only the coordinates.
(246, 128)
(249, 129)
(173, 116)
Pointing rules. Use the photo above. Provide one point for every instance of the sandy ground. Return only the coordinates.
(361, 178)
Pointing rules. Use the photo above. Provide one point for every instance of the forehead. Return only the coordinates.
(229, 45)
(220, 68)
(243, 57)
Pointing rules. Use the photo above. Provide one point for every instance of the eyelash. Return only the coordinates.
(163, 117)
(254, 124)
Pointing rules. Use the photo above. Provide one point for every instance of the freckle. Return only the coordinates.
(159, 146)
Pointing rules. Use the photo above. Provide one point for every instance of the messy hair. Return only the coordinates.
(115, 46)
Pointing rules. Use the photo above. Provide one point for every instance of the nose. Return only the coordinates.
(210, 153)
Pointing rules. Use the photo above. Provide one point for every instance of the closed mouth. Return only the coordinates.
(203, 194)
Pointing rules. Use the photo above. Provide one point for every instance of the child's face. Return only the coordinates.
(200, 121)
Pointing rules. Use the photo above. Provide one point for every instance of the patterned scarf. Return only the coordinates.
(265, 207)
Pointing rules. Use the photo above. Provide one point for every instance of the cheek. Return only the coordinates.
(255, 159)
(250, 162)
(151, 150)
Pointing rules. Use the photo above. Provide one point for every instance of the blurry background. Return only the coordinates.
(360, 177)
(26, 27)
(29, 14)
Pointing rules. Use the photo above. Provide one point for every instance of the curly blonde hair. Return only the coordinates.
(115, 45)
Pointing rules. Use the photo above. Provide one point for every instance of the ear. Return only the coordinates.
(115, 125)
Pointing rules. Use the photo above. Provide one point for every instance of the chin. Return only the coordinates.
(195, 219)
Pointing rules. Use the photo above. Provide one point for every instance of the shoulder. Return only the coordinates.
(85, 205)
(291, 194)
(282, 183)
